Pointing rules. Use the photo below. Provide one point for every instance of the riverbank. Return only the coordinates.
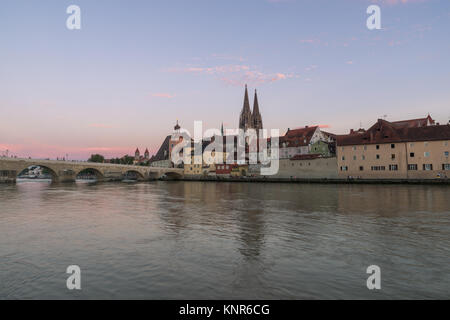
(301, 180)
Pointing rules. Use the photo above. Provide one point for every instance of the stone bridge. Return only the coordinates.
(67, 171)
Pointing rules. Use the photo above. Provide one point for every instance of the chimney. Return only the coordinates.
(351, 131)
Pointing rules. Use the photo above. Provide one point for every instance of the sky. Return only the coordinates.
(136, 67)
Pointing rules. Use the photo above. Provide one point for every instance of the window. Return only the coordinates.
(393, 146)
(344, 168)
(378, 146)
(392, 156)
(411, 145)
(343, 158)
(411, 154)
(445, 143)
(445, 153)
(426, 154)
(365, 147)
(412, 167)
(378, 156)
(354, 148)
(427, 166)
(393, 167)
(446, 166)
(361, 168)
(354, 157)
(363, 157)
(342, 148)
(425, 144)
(378, 168)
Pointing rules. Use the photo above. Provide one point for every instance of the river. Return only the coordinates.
(220, 240)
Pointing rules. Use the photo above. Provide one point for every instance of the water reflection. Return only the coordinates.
(224, 240)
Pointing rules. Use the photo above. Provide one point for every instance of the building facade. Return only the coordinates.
(410, 149)
(305, 141)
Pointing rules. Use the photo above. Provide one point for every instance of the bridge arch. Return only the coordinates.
(173, 175)
(47, 170)
(87, 173)
(133, 175)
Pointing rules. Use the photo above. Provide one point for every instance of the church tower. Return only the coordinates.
(256, 115)
(137, 154)
(245, 119)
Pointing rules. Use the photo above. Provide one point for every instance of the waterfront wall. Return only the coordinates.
(320, 168)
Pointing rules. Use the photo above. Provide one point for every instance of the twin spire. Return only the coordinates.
(249, 119)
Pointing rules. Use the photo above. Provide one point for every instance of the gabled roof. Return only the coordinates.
(301, 132)
(298, 137)
(413, 123)
(387, 132)
(160, 154)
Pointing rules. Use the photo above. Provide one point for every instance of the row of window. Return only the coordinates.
(393, 145)
(411, 155)
(394, 167)
(223, 167)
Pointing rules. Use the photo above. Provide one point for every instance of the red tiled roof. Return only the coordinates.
(298, 137)
(386, 132)
(301, 132)
(413, 123)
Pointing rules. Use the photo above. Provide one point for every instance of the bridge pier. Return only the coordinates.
(8, 176)
(154, 176)
(64, 176)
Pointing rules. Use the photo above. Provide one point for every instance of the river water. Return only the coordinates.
(218, 240)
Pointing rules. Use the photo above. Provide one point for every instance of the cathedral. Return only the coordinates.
(249, 119)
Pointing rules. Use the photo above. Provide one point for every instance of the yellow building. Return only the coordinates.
(239, 171)
(192, 164)
(411, 149)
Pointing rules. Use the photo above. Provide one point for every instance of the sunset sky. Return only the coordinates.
(135, 67)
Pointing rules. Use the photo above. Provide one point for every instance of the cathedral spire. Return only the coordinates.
(245, 118)
(255, 105)
(246, 101)
(256, 115)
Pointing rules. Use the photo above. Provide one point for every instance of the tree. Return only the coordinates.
(96, 158)
(127, 160)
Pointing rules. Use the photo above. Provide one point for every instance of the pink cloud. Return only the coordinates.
(163, 95)
(236, 74)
